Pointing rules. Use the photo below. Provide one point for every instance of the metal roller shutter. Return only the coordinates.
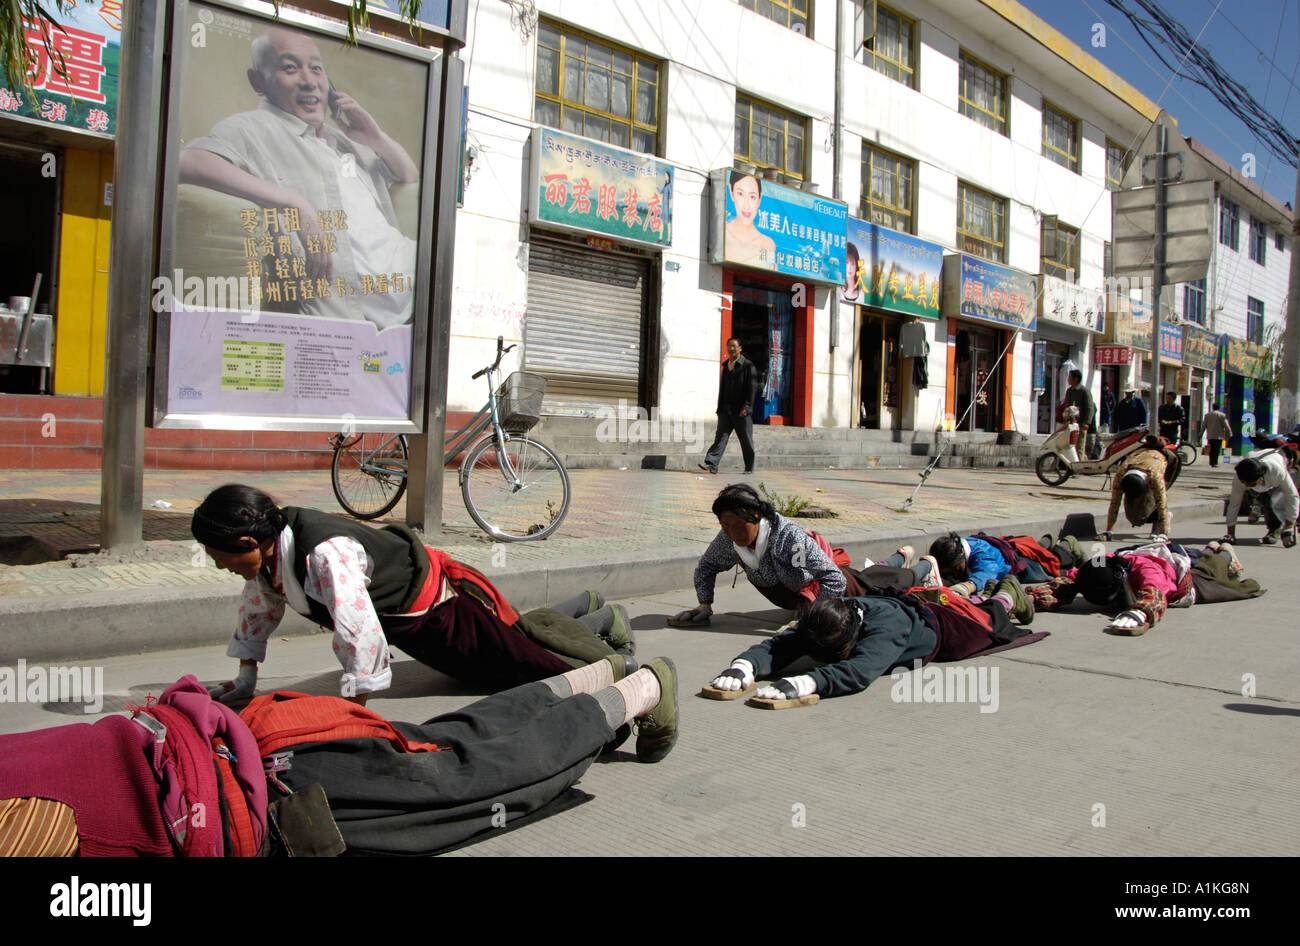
(583, 328)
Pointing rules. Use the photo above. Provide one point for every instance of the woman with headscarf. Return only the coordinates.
(374, 587)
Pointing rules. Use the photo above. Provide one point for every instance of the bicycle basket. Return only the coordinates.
(519, 401)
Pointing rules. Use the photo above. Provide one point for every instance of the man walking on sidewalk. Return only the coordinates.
(1217, 431)
(736, 392)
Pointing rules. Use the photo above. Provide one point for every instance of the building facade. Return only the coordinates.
(976, 148)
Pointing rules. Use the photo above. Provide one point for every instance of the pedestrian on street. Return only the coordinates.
(1107, 418)
(1265, 473)
(1171, 418)
(373, 587)
(1217, 432)
(1076, 395)
(1130, 412)
(736, 390)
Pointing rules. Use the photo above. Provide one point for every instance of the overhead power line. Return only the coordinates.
(1166, 37)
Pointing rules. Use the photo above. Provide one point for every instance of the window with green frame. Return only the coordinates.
(597, 89)
(887, 189)
(769, 137)
(1116, 164)
(1059, 246)
(982, 95)
(791, 13)
(892, 48)
(981, 223)
(1060, 138)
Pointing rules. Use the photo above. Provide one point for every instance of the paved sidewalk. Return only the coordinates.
(627, 532)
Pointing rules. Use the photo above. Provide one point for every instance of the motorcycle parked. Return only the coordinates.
(1058, 458)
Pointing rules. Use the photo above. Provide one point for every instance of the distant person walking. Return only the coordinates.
(1171, 418)
(1076, 395)
(1217, 431)
(1130, 412)
(736, 391)
(1107, 407)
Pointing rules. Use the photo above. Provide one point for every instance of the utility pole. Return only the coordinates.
(1162, 222)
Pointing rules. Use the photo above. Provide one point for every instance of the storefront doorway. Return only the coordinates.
(1054, 392)
(882, 384)
(30, 200)
(978, 383)
(763, 320)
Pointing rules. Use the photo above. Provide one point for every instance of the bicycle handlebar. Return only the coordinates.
(496, 364)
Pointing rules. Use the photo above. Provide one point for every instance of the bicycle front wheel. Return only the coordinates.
(369, 473)
(1186, 453)
(508, 510)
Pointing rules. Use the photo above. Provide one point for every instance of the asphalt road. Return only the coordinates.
(1180, 742)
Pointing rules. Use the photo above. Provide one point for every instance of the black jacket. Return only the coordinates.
(738, 386)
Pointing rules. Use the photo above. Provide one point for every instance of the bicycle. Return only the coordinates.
(515, 488)
(1187, 452)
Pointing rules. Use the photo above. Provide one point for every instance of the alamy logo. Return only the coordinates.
(77, 899)
(37, 684)
(625, 424)
(949, 684)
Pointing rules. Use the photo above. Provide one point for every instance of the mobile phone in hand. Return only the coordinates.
(334, 104)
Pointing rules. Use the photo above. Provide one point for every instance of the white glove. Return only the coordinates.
(1159, 537)
(1128, 620)
(739, 676)
(787, 688)
(240, 688)
(691, 615)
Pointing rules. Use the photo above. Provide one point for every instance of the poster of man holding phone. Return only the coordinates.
(297, 162)
(328, 185)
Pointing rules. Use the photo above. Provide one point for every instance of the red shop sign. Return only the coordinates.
(1112, 355)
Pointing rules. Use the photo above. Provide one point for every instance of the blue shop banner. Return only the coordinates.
(974, 288)
(886, 269)
(768, 226)
(1171, 343)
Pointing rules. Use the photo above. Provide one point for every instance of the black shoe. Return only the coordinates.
(748, 472)
(705, 466)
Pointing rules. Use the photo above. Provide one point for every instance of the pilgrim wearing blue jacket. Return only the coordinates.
(968, 565)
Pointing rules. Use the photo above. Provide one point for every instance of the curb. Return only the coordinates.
(123, 622)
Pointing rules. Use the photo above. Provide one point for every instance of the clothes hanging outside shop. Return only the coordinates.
(912, 344)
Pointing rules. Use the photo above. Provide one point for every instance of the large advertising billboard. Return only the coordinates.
(768, 226)
(891, 270)
(292, 293)
(76, 87)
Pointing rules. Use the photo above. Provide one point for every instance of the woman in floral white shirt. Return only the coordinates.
(374, 587)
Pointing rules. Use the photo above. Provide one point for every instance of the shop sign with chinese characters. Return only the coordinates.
(1200, 348)
(1112, 355)
(583, 185)
(889, 270)
(974, 288)
(760, 224)
(80, 93)
(1068, 304)
(1171, 344)
(1247, 359)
